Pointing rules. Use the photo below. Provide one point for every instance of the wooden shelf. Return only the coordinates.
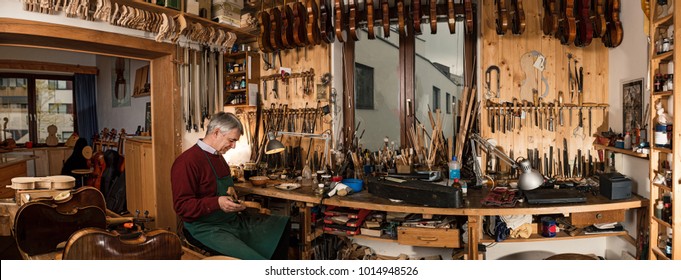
(664, 93)
(664, 21)
(559, 236)
(237, 105)
(236, 90)
(242, 35)
(659, 254)
(664, 150)
(664, 56)
(663, 187)
(659, 221)
(621, 151)
(237, 73)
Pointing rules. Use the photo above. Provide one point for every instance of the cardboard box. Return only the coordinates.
(226, 12)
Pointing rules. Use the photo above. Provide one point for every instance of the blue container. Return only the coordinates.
(354, 184)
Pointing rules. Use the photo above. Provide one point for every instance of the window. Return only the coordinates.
(448, 103)
(364, 87)
(31, 103)
(436, 98)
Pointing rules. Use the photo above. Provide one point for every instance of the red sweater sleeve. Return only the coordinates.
(194, 185)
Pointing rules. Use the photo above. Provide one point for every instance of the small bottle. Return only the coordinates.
(319, 191)
(464, 188)
(627, 141)
(307, 176)
(668, 246)
(658, 209)
(454, 169)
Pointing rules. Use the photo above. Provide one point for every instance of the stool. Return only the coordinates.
(83, 173)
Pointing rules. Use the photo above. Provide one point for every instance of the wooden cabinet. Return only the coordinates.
(50, 160)
(242, 78)
(665, 156)
(139, 180)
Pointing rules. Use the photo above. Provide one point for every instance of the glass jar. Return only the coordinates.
(668, 177)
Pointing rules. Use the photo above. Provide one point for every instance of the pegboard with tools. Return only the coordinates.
(540, 99)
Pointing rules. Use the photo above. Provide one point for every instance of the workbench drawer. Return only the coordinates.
(429, 237)
(597, 217)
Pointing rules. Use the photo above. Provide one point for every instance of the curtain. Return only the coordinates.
(85, 91)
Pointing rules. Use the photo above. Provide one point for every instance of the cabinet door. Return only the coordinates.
(56, 161)
(148, 188)
(42, 163)
(133, 192)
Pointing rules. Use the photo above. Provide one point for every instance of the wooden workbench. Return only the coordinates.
(473, 209)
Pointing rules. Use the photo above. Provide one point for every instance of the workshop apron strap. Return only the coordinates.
(244, 235)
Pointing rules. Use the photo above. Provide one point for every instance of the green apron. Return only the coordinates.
(242, 235)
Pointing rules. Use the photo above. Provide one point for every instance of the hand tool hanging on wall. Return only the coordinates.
(488, 82)
(197, 90)
(220, 103)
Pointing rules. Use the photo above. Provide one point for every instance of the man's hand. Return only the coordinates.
(227, 205)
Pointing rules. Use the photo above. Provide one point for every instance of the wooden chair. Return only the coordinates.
(100, 244)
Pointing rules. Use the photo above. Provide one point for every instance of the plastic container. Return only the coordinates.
(354, 184)
(627, 141)
(454, 170)
(658, 209)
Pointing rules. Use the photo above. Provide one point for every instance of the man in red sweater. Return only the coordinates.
(200, 178)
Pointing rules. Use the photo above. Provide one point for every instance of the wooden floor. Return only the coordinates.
(8, 249)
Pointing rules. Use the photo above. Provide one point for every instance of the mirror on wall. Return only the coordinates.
(439, 67)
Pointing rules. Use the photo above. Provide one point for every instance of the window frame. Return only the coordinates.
(32, 99)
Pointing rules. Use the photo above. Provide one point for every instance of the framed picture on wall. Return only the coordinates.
(632, 104)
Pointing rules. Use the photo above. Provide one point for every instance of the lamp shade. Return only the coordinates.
(529, 179)
(273, 145)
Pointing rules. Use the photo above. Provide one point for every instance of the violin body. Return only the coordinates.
(567, 27)
(275, 32)
(352, 20)
(597, 18)
(313, 33)
(468, 9)
(326, 22)
(99, 244)
(584, 25)
(339, 10)
(385, 18)
(40, 226)
(501, 14)
(416, 14)
(401, 27)
(287, 27)
(369, 10)
(517, 17)
(549, 21)
(264, 36)
(614, 32)
(299, 24)
(451, 17)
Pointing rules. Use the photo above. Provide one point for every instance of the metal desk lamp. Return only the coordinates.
(275, 146)
(529, 179)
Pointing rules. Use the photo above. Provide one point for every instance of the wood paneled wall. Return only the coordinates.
(506, 51)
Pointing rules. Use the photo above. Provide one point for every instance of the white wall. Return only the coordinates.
(46, 55)
(128, 117)
(629, 61)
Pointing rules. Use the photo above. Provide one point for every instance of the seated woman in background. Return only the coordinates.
(76, 161)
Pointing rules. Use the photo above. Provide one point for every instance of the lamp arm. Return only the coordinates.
(491, 149)
(302, 134)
